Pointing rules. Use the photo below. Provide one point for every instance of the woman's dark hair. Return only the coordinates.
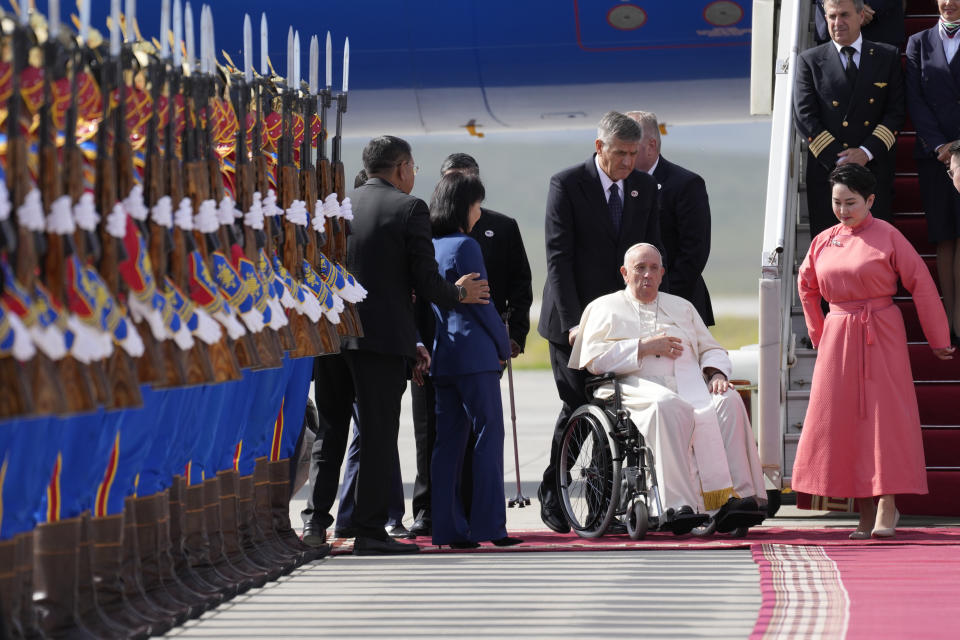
(451, 202)
(854, 177)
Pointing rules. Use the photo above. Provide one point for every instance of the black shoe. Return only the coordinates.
(685, 520)
(367, 546)
(314, 535)
(421, 527)
(737, 513)
(552, 516)
(398, 531)
(464, 545)
(506, 541)
(346, 532)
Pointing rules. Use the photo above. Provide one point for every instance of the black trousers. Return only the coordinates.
(570, 387)
(376, 381)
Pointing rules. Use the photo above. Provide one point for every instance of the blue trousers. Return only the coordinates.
(468, 403)
(349, 485)
(27, 461)
(271, 384)
(290, 418)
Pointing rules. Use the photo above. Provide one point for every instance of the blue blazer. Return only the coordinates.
(469, 338)
(933, 92)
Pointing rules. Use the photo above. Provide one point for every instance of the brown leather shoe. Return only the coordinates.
(280, 507)
(197, 547)
(263, 512)
(179, 530)
(10, 587)
(55, 578)
(230, 528)
(213, 518)
(252, 538)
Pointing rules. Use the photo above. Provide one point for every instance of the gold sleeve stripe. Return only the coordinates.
(886, 136)
(820, 143)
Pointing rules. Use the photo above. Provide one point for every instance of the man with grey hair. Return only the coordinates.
(674, 381)
(684, 217)
(595, 210)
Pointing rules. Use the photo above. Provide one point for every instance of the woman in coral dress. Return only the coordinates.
(861, 436)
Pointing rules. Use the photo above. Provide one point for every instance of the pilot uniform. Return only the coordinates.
(834, 116)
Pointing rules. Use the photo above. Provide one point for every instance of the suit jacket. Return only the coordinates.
(584, 253)
(833, 116)
(886, 26)
(933, 92)
(470, 338)
(390, 252)
(685, 231)
(508, 269)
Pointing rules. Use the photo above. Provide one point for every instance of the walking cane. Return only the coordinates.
(520, 500)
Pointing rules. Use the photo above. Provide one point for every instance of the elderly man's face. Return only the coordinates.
(843, 21)
(617, 158)
(643, 273)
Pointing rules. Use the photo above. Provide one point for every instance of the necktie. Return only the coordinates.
(950, 28)
(851, 69)
(616, 207)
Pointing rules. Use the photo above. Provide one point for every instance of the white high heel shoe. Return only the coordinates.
(887, 533)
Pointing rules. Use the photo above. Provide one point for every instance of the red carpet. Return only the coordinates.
(549, 541)
(857, 592)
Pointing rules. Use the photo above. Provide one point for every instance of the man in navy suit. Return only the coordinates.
(848, 104)
(595, 211)
(684, 218)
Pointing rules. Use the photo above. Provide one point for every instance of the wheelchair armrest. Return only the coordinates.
(593, 382)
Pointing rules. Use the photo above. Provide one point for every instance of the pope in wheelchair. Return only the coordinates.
(667, 443)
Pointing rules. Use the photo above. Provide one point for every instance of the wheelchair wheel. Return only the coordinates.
(589, 472)
(637, 521)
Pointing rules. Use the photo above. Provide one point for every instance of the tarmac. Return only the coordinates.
(655, 594)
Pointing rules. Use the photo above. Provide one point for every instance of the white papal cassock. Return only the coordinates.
(704, 447)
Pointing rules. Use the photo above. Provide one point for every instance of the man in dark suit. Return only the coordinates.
(684, 218)
(595, 212)
(390, 251)
(508, 272)
(849, 105)
(882, 22)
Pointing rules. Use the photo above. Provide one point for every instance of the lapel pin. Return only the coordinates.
(488, 233)
(634, 194)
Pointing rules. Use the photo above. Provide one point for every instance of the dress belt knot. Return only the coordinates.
(864, 309)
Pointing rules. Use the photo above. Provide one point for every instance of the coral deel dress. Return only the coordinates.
(861, 435)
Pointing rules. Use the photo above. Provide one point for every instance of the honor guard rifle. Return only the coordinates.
(41, 376)
(77, 378)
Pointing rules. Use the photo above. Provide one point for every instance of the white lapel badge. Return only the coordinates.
(488, 233)
(634, 194)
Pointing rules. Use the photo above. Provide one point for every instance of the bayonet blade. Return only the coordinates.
(188, 34)
(165, 30)
(130, 13)
(24, 13)
(54, 19)
(114, 27)
(290, 58)
(177, 34)
(296, 60)
(346, 63)
(203, 40)
(264, 40)
(84, 20)
(329, 62)
(247, 49)
(314, 64)
(211, 43)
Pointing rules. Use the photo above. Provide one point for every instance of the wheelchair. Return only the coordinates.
(606, 473)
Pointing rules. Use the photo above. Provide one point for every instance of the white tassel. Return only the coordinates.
(85, 213)
(206, 218)
(50, 340)
(254, 217)
(143, 312)
(134, 205)
(207, 328)
(297, 213)
(310, 306)
(234, 329)
(4, 204)
(278, 317)
(23, 348)
(117, 222)
(30, 213)
(183, 338)
(60, 220)
(184, 215)
(87, 346)
(133, 343)
(162, 212)
(253, 319)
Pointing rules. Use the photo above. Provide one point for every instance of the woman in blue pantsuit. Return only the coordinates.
(470, 346)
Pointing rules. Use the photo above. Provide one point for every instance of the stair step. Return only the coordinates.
(943, 499)
(941, 446)
(914, 227)
(905, 162)
(938, 403)
(906, 194)
(928, 367)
